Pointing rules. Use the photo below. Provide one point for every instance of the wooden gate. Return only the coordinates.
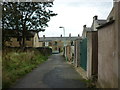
(83, 54)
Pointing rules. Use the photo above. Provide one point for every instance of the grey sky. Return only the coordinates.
(73, 14)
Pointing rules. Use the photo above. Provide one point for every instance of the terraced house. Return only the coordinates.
(14, 39)
(56, 43)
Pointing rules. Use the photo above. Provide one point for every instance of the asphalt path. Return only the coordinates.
(54, 73)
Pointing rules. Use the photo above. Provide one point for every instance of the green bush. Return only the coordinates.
(16, 64)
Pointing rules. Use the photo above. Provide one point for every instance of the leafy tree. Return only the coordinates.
(24, 16)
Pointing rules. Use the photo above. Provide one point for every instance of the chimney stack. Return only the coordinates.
(70, 35)
(84, 26)
(61, 35)
(95, 17)
(44, 36)
(114, 1)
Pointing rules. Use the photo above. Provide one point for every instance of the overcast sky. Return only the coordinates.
(73, 14)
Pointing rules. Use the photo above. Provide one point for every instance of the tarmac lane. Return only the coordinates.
(54, 73)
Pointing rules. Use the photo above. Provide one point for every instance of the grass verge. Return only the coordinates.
(16, 64)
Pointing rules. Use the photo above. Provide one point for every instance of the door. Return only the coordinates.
(83, 54)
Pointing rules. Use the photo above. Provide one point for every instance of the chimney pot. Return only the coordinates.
(84, 26)
(44, 36)
(95, 17)
(70, 35)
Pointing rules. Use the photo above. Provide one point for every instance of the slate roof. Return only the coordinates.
(87, 29)
(101, 22)
(15, 33)
(57, 38)
(105, 24)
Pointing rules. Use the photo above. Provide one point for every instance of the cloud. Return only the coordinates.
(73, 14)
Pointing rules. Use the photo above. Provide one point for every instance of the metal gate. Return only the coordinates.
(83, 54)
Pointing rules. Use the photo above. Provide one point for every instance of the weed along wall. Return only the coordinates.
(108, 51)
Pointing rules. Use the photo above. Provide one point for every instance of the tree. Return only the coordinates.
(23, 16)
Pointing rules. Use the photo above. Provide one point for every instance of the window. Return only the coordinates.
(43, 43)
(28, 38)
(46, 43)
(19, 39)
(55, 42)
(72, 43)
(50, 44)
(8, 39)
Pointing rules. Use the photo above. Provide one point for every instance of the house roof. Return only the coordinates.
(100, 22)
(57, 38)
(87, 29)
(105, 24)
(15, 33)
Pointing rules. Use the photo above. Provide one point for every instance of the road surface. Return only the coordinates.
(54, 73)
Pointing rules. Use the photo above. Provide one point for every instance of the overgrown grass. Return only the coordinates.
(89, 83)
(17, 64)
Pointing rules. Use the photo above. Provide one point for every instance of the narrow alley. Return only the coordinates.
(54, 73)
(60, 44)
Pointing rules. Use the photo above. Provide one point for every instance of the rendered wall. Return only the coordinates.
(108, 51)
(92, 54)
